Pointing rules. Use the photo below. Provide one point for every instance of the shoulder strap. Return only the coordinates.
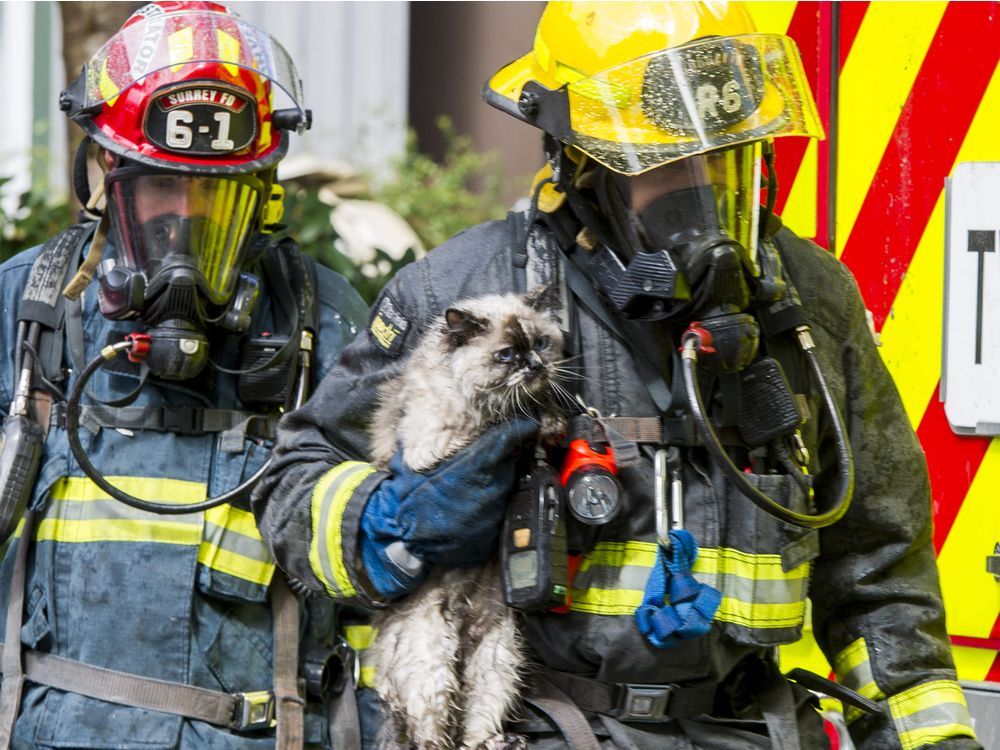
(43, 302)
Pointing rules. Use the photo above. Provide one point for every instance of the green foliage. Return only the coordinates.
(308, 219)
(440, 199)
(437, 200)
(33, 221)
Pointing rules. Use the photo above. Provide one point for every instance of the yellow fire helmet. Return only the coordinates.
(636, 85)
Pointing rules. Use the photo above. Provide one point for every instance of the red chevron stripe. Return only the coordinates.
(804, 28)
(952, 462)
(811, 29)
(851, 16)
(930, 130)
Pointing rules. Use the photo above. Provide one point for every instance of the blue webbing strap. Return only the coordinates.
(691, 606)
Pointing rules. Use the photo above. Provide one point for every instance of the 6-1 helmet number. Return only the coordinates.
(180, 136)
(201, 120)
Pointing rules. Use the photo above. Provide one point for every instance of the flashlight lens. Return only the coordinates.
(594, 497)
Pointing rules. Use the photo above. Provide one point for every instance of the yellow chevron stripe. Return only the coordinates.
(799, 212)
(870, 103)
(971, 596)
(772, 17)
(911, 335)
(972, 663)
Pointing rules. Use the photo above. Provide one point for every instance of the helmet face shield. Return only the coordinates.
(700, 96)
(161, 40)
(163, 222)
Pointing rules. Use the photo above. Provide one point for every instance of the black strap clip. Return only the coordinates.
(185, 420)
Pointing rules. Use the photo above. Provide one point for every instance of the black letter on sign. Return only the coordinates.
(981, 242)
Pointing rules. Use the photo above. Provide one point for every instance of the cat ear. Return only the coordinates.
(543, 298)
(463, 325)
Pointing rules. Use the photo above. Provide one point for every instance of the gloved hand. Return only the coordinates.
(450, 515)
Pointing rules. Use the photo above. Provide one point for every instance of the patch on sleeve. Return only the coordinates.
(388, 326)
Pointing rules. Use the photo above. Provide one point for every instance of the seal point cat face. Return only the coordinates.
(504, 347)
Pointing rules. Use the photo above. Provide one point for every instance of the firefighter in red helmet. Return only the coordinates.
(143, 607)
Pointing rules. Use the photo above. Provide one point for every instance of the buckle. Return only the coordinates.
(254, 710)
(645, 702)
(185, 420)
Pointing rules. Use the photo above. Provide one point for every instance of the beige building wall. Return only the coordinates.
(454, 48)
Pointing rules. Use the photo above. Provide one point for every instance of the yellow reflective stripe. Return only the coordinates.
(741, 569)
(761, 615)
(226, 537)
(329, 500)
(854, 670)
(929, 713)
(234, 564)
(762, 567)
(234, 519)
(156, 489)
(359, 637)
(851, 657)
(229, 49)
(233, 545)
(118, 530)
(106, 86)
(180, 47)
(366, 677)
(82, 512)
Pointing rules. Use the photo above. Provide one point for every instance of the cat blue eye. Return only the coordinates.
(504, 355)
(542, 343)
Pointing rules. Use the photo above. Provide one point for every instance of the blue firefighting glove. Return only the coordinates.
(450, 515)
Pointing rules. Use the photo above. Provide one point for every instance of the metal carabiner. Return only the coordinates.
(669, 504)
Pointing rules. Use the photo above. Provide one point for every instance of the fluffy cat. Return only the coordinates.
(447, 657)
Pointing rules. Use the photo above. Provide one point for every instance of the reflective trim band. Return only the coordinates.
(226, 537)
(232, 545)
(81, 512)
(854, 670)
(329, 500)
(360, 638)
(929, 713)
(757, 593)
(155, 489)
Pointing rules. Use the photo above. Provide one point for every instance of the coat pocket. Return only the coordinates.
(763, 565)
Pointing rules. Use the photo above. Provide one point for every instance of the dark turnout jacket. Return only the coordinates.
(871, 577)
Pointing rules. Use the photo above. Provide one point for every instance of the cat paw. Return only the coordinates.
(553, 428)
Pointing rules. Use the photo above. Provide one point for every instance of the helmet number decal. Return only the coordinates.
(201, 119)
(713, 85)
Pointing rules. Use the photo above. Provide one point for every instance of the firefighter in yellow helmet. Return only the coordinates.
(735, 443)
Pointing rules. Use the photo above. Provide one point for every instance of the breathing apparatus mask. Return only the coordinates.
(180, 244)
(690, 253)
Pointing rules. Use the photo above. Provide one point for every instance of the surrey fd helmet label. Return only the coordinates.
(201, 119)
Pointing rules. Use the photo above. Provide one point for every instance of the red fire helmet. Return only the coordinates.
(190, 87)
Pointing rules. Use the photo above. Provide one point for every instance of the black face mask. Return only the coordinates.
(685, 224)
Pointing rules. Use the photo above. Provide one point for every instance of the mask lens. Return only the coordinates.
(734, 176)
(203, 223)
